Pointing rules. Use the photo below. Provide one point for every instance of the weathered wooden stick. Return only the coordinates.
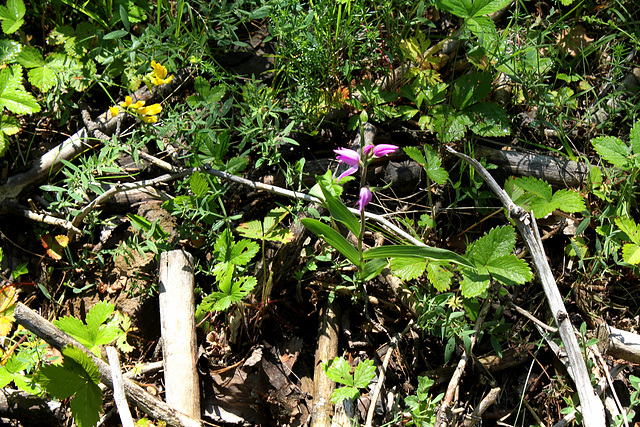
(119, 395)
(178, 328)
(618, 343)
(155, 408)
(326, 350)
(592, 407)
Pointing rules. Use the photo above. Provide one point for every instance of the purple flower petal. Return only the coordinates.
(384, 149)
(350, 171)
(367, 149)
(365, 198)
(350, 157)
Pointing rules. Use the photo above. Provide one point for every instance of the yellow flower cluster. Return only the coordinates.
(159, 74)
(148, 114)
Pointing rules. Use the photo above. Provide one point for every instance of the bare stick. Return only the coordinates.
(485, 403)
(444, 410)
(326, 350)
(55, 337)
(118, 388)
(178, 327)
(593, 409)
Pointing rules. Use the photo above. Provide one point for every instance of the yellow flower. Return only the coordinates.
(114, 111)
(159, 74)
(151, 110)
(127, 101)
(149, 119)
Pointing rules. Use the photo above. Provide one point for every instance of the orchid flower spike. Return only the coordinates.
(350, 157)
(365, 198)
(380, 150)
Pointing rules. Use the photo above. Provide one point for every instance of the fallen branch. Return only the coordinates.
(327, 349)
(56, 338)
(118, 387)
(593, 409)
(443, 417)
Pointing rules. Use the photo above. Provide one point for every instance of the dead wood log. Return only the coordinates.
(326, 350)
(178, 329)
(150, 405)
(618, 343)
(593, 409)
(555, 170)
(29, 409)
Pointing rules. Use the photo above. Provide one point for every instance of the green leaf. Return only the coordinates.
(76, 328)
(13, 96)
(9, 51)
(497, 242)
(488, 119)
(471, 89)
(373, 268)
(491, 7)
(233, 294)
(334, 239)
(568, 201)
(431, 164)
(415, 251)
(198, 184)
(509, 270)
(30, 57)
(408, 268)
(631, 253)
(474, 282)
(339, 210)
(338, 370)
(613, 150)
(364, 373)
(459, 8)
(11, 16)
(439, 276)
(630, 228)
(97, 315)
(634, 138)
(344, 393)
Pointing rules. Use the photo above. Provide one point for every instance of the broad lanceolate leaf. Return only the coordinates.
(339, 211)
(414, 251)
(335, 239)
(613, 150)
(373, 268)
(13, 96)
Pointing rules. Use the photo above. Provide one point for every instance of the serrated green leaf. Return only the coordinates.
(471, 89)
(11, 16)
(568, 201)
(535, 186)
(44, 78)
(198, 184)
(509, 270)
(334, 239)
(338, 370)
(364, 373)
(4, 143)
(490, 7)
(459, 8)
(342, 393)
(541, 207)
(243, 252)
(408, 268)
(9, 125)
(630, 228)
(97, 315)
(86, 406)
(488, 119)
(474, 282)
(415, 251)
(9, 51)
(234, 294)
(30, 57)
(496, 243)
(613, 150)
(439, 276)
(631, 253)
(450, 125)
(76, 328)
(13, 96)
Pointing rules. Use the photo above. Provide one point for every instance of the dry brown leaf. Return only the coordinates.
(573, 41)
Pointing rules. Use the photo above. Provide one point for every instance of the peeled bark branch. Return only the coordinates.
(593, 409)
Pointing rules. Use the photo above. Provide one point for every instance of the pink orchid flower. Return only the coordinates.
(365, 198)
(380, 150)
(350, 157)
